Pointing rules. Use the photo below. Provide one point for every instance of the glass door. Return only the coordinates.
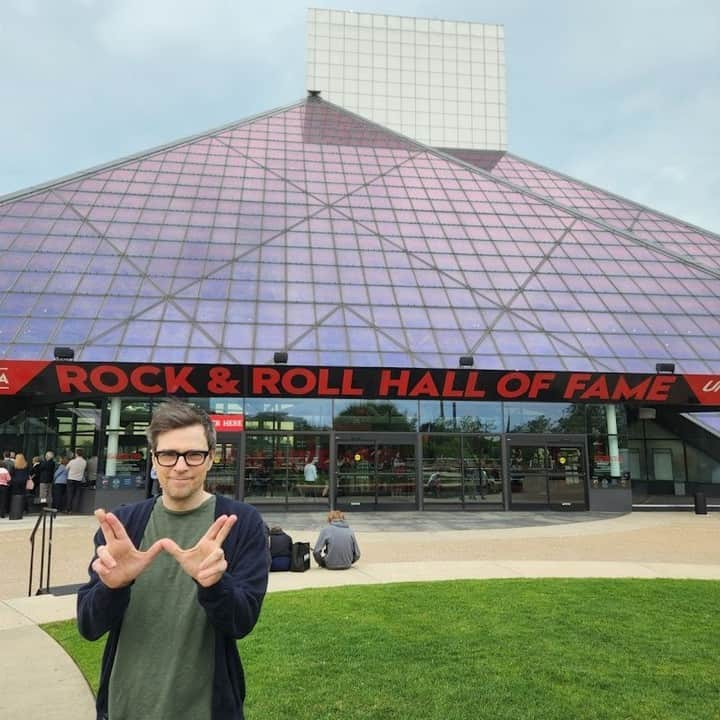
(265, 469)
(375, 472)
(547, 472)
(286, 469)
(566, 478)
(529, 466)
(462, 470)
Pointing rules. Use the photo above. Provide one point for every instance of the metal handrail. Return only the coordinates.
(44, 514)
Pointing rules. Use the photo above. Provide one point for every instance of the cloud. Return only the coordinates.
(221, 28)
(658, 155)
(618, 93)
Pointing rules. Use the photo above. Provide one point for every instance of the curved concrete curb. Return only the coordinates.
(40, 681)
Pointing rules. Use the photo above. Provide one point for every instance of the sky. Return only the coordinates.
(623, 94)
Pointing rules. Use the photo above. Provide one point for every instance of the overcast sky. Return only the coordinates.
(624, 94)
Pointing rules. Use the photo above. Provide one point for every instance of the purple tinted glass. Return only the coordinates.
(420, 246)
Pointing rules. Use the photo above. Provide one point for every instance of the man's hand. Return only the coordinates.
(118, 561)
(205, 562)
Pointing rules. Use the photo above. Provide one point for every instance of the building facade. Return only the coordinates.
(298, 437)
(543, 343)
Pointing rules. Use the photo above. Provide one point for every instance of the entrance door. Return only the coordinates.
(286, 470)
(547, 472)
(373, 472)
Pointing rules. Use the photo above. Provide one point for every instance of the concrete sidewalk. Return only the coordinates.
(397, 547)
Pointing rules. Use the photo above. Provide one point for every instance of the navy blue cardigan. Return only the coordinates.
(232, 604)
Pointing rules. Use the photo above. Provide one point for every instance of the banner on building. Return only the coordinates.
(50, 381)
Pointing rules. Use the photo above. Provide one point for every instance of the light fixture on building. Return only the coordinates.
(665, 367)
(467, 361)
(280, 358)
(64, 353)
(314, 93)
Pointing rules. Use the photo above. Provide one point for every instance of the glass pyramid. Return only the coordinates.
(311, 230)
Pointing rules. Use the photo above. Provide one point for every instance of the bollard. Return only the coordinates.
(700, 503)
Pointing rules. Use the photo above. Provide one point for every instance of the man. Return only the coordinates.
(8, 460)
(75, 481)
(310, 471)
(336, 547)
(175, 580)
(46, 472)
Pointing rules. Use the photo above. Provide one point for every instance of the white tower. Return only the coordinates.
(437, 81)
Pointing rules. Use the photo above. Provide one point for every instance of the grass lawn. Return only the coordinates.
(500, 649)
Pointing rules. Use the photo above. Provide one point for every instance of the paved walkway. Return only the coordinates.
(397, 547)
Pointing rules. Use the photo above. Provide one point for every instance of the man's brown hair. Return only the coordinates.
(174, 414)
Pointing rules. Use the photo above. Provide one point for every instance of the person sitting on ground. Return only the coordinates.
(336, 547)
(280, 549)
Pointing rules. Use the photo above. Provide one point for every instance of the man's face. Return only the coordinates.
(183, 486)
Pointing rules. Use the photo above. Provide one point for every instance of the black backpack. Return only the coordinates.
(300, 558)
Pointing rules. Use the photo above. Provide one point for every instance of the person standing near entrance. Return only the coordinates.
(75, 481)
(4, 490)
(59, 493)
(46, 473)
(310, 471)
(20, 481)
(175, 581)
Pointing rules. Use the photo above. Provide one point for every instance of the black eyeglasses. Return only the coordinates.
(192, 458)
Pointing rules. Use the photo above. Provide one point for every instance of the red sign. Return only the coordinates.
(16, 374)
(228, 423)
(55, 381)
(705, 387)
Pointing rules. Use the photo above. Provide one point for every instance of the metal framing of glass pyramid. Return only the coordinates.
(312, 230)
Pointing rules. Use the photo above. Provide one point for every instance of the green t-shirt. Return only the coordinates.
(165, 658)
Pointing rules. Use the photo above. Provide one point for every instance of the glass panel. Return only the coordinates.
(266, 469)
(39, 435)
(356, 474)
(376, 472)
(545, 417)
(448, 416)
(566, 477)
(442, 469)
(396, 472)
(309, 469)
(130, 462)
(12, 433)
(222, 477)
(288, 414)
(482, 469)
(396, 416)
(702, 468)
(529, 467)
